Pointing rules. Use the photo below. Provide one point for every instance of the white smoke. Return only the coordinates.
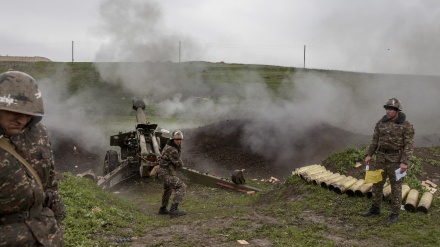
(278, 117)
(307, 99)
(73, 117)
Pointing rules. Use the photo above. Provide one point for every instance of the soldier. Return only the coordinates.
(393, 144)
(30, 206)
(170, 161)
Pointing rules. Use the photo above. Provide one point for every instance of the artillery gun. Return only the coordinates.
(140, 152)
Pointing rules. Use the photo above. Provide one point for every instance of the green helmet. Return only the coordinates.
(394, 104)
(177, 135)
(19, 93)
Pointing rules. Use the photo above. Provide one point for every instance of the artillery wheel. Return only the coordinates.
(111, 161)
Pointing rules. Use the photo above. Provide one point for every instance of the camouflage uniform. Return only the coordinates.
(29, 212)
(393, 142)
(170, 161)
(21, 193)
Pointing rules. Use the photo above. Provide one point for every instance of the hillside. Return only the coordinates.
(289, 213)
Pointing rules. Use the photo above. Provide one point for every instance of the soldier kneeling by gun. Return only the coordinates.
(170, 161)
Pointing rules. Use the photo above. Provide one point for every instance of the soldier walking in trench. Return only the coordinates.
(170, 161)
(393, 144)
(30, 206)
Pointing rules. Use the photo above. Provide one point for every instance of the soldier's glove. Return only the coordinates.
(53, 201)
(59, 210)
(49, 199)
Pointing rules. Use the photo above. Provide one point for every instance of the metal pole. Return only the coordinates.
(304, 56)
(72, 51)
(179, 50)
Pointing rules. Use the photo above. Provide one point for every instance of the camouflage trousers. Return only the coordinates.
(43, 230)
(171, 183)
(396, 186)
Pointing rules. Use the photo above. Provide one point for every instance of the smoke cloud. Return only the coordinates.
(312, 98)
(136, 35)
(72, 117)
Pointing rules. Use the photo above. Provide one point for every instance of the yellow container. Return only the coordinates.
(411, 200)
(425, 202)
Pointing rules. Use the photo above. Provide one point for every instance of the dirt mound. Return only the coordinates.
(71, 156)
(221, 148)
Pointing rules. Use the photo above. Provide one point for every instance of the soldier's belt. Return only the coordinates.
(21, 216)
(389, 151)
(166, 165)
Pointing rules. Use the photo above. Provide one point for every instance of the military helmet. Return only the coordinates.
(394, 104)
(177, 135)
(19, 93)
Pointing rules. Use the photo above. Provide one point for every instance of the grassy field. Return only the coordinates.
(76, 78)
(292, 213)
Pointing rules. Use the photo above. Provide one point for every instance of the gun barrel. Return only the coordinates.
(139, 107)
(140, 116)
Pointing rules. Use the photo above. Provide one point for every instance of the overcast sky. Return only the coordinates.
(395, 36)
(379, 36)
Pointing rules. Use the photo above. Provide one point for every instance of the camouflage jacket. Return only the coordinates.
(19, 191)
(391, 134)
(171, 156)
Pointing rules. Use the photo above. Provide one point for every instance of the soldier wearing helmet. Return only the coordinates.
(30, 206)
(170, 161)
(393, 144)
(393, 104)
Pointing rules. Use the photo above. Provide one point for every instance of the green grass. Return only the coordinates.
(293, 214)
(94, 215)
(339, 215)
(433, 162)
(345, 159)
(306, 221)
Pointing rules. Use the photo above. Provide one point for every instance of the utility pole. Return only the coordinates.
(179, 50)
(72, 51)
(304, 56)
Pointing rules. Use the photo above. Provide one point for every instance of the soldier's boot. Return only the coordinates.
(174, 211)
(373, 211)
(393, 218)
(163, 210)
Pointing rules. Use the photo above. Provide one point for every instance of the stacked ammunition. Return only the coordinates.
(319, 175)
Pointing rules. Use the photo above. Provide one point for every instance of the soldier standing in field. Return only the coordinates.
(393, 144)
(170, 161)
(30, 206)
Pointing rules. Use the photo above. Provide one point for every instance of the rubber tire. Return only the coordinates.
(111, 161)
